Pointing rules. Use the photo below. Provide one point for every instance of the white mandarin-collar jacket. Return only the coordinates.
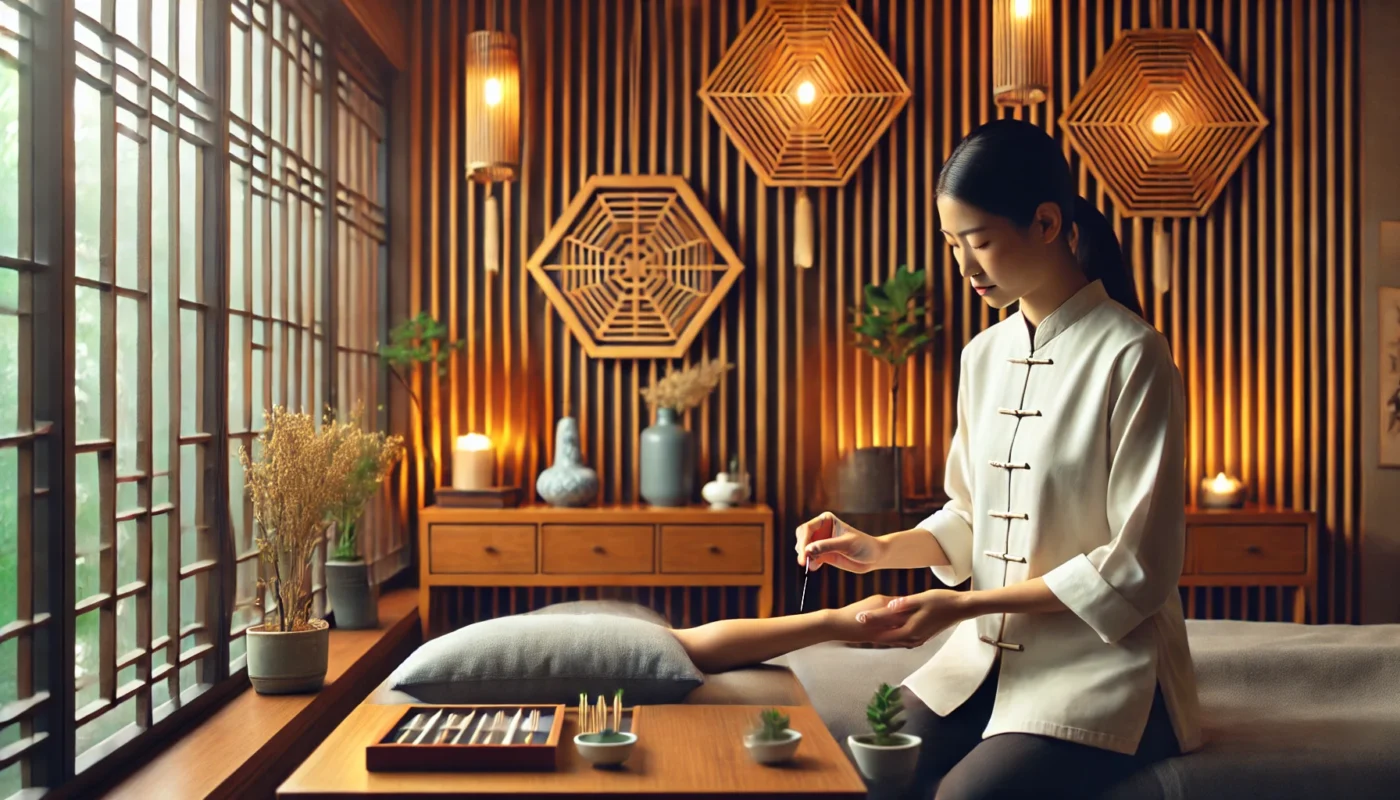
(1067, 464)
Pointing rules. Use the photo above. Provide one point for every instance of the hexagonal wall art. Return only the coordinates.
(635, 266)
(804, 92)
(1163, 122)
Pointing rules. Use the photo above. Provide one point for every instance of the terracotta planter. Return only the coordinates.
(290, 662)
(350, 595)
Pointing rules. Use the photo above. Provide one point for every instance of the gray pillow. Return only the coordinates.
(616, 608)
(550, 658)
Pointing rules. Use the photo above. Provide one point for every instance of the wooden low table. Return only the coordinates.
(683, 751)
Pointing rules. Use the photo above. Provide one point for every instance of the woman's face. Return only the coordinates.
(1002, 261)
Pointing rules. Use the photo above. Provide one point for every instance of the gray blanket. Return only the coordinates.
(1288, 711)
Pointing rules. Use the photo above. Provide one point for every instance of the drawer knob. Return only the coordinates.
(491, 550)
(1253, 549)
(598, 548)
(714, 548)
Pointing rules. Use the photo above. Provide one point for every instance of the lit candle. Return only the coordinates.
(1221, 492)
(473, 462)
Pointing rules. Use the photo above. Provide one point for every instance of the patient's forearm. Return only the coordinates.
(912, 549)
(729, 643)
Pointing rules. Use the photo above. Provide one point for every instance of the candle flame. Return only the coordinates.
(1021, 9)
(1222, 484)
(473, 441)
(1162, 124)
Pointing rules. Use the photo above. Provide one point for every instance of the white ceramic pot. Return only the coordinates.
(720, 493)
(893, 763)
(773, 751)
(593, 749)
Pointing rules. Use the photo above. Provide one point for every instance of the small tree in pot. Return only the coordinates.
(294, 473)
(372, 456)
(420, 341)
(891, 326)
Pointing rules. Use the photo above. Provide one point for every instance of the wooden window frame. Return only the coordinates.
(46, 441)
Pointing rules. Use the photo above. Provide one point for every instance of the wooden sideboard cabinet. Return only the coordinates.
(1252, 546)
(625, 545)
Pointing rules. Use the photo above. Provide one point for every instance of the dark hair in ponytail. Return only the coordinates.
(1009, 167)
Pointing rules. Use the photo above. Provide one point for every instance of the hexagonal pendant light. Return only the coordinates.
(804, 92)
(1163, 123)
(640, 266)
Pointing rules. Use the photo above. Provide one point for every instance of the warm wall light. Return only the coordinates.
(473, 462)
(492, 124)
(806, 93)
(1162, 124)
(1021, 51)
(492, 91)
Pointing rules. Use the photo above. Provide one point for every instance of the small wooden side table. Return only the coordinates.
(622, 545)
(1253, 546)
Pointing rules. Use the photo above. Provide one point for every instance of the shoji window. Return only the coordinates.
(147, 559)
(361, 271)
(277, 272)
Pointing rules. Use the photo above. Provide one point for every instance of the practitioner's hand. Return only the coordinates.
(911, 621)
(849, 623)
(827, 540)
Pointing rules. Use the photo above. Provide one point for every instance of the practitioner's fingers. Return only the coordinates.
(893, 615)
(816, 529)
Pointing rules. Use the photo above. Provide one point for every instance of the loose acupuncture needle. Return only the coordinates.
(514, 723)
(466, 723)
(408, 728)
(431, 722)
(446, 729)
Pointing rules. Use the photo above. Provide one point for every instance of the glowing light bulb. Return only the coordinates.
(1162, 124)
(473, 441)
(493, 91)
(1021, 9)
(806, 93)
(1222, 484)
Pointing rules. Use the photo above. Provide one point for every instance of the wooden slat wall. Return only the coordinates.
(1261, 313)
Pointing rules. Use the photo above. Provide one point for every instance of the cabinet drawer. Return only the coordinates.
(1249, 549)
(481, 548)
(712, 548)
(593, 549)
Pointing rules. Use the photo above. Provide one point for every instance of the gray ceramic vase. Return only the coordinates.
(350, 594)
(568, 482)
(668, 461)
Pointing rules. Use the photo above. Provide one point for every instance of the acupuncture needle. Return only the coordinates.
(429, 726)
(477, 732)
(466, 723)
(806, 568)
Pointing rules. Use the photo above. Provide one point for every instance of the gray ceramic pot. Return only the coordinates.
(868, 481)
(350, 595)
(567, 482)
(668, 461)
(286, 663)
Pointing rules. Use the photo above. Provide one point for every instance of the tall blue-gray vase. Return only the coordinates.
(668, 461)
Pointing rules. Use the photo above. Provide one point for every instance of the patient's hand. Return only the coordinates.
(846, 625)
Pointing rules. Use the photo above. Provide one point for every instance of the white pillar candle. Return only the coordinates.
(473, 462)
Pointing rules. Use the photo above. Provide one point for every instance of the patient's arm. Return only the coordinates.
(729, 643)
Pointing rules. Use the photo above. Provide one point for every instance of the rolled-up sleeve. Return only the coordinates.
(951, 525)
(1116, 586)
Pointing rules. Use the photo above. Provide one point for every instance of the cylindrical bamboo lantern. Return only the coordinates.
(1021, 51)
(492, 106)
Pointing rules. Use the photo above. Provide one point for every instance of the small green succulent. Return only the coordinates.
(773, 725)
(881, 713)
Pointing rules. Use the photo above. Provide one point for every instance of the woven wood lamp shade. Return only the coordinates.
(804, 92)
(640, 266)
(492, 107)
(1163, 123)
(1021, 51)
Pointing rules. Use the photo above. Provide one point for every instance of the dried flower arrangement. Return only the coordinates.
(373, 456)
(682, 390)
(298, 475)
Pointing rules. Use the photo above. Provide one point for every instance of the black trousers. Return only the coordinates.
(956, 763)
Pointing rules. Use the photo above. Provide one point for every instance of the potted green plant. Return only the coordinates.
(293, 472)
(372, 456)
(891, 325)
(884, 754)
(418, 342)
(773, 742)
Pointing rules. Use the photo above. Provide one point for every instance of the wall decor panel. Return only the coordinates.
(1261, 309)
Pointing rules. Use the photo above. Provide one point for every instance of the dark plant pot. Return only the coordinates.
(286, 663)
(868, 481)
(350, 595)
